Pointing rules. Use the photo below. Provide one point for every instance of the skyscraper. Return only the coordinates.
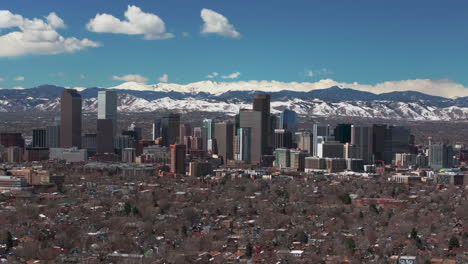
(342, 133)
(178, 159)
(70, 129)
(53, 136)
(288, 121)
(305, 141)
(107, 107)
(283, 138)
(319, 130)
(170, 125)
(105, 136)
(224, 135)
(397, 140)
(361, 138)
(261, 103)
(378, 140)
(244, 144)
(253, 120)
(440, 156)
(39, 138)
(156, 129)
(208, 133)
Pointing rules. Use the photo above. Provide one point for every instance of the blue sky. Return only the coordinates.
(369, 42)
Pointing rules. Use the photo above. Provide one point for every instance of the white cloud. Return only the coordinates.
(137, 23)
(2, 79)
(313, 73)
(19, 78)
(217, 24)
(82, 76)
(212, 75)
(37, 36)
(164, 78)
(233, 75)
(131, 78)
(18, 88)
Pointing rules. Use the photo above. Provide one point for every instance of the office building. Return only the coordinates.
(14, 154)
(129, 155)
(53, 136)
(305, 141)
(282, 158)
(330, 149)
(297, 160)
(200, 169)
(224, 135)
(288, 121)
(177, 159)
(105, 136)
(440, 156)
(361, 138)
(70, 129)
(336, 164)
(243, 144)
(378, 141)
(314, 163)
(156, 129)
(107, 108)
(319, 130)
(405, 160)
(89, 142)
(422, 161)
(261, 103)
(342, 133)
(11, 140)
(36, 154)
(170, 128)
(397, 140)
(283, 138)
(70, 155)
(356, 165)
(253, 120)
(39, 139)
(185, 130)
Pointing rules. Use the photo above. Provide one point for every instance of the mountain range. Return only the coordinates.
(212, 96)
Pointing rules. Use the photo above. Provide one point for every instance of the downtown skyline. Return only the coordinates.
(364, 45)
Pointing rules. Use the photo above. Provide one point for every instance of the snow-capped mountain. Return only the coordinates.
(210, 97)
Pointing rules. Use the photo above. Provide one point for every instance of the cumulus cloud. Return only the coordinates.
(37, 36)
(131, 78)
(137, 22)
(19, 78)
(216, 23)
(233, 75)
(164, 78)
(212, 75)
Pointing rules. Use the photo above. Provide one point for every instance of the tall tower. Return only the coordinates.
(224, 135)
(261, 104)
(170, 128)
(70, 130)
(107, 107)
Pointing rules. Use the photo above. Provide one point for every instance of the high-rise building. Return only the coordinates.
(156, 129)
(283, 138)
(89, 142)
(378, 141)
(397, 140)
(298, 159)
(330, 149)
(342, 133)
(178, 159)
(200, 169)
(304, 141)
(39, 138)
(70, 129)
(319, 130)
(107, 107)
(253, 120)
(105, 136)
(440, 156)
(53, 136)
(224, 135)
(170, 125)
(361, 138)
(11, 140)
(15, 154)
(288, 120)
(243, 143)
(208, 133)
(282, 158)
(184, 131)
(261, 104)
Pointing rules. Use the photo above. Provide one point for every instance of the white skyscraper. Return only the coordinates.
(107, 107)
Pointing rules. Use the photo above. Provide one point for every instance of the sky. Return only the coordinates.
(103, 43)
